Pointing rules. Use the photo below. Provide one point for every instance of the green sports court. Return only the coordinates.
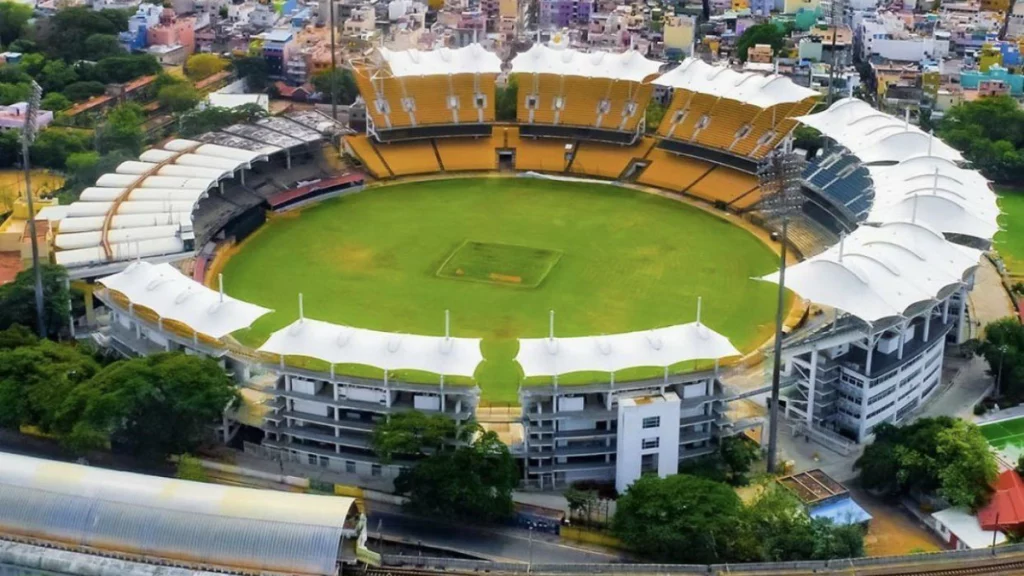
(1007, 437)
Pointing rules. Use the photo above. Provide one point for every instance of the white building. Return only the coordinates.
(885, 35)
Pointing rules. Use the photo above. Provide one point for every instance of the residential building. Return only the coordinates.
(555, 14)
(791, 6)
(760, 54)
(761, 8)
(173, 31)
(1015, 27)
(361, 20)
(278, 47)
(974, 79)
(962, 531)
(13, 117)
(146, 17)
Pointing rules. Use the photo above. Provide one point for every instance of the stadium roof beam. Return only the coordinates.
(173, 296)
(659, 347)
(540, 59)
(745, 87)
(339, 344)
(164, 520)
(884, 272)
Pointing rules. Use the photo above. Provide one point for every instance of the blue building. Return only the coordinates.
(969, 79)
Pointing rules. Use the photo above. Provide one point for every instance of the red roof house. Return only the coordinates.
(1006, 509)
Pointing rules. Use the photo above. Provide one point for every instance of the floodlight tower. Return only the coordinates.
(334, 65)
(779, 176)
(28, 135)
(836, 16)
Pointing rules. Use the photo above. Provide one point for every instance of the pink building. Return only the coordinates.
(173, 31)
(13, 117)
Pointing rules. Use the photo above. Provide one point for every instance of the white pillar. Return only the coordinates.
(812, 382)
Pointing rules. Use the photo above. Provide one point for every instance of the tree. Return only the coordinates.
(341, 80)
(13, 20)
(55, 75)
(414, 433)
(36, 377)
(202, 66)
(254, 70)
(808, 138)
(10, 148)
(80, 91)
(13, 93)
(943, 455)
(18, 304)
(1003, 349)
(53, 145)
(767, 33)
(179, 97)
(990, 133)
(581, 503)
(680, 518)
(100, 46)
(69, 29)
(471, 482)
(122, 130)
(653, 116)
(506, 100)
(781, 531)
(150, 407)
(55, 102)
(211, 118)
(121, 69)
(738, 455)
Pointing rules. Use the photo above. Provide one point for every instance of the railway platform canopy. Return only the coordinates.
(176, 522)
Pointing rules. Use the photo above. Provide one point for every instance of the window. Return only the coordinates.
(649, 464)
(382, 106)
(531, 102)
(453, 102)
(558, 103)
(311, 458)
(652, 422)
(480, 101)
(350, 467)
(649, 443)
(375, 470)
(323, 461)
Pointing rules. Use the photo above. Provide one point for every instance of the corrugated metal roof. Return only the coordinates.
(206, 524)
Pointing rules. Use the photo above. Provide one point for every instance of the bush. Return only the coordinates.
(979, 409)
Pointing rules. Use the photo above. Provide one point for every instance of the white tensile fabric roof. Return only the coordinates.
(472, 59)
(881, 272)
(746, 87)
(874, 136)
(162, 200)
(541, 59)
(339, 344)
(659, 347)
(174, 296)
(937, 192)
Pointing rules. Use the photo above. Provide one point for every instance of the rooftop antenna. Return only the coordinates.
(220, 286)
(302, 316)
(842, 245)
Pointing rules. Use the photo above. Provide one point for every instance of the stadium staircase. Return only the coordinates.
(505, 421)
(575, 151)
(433, 146)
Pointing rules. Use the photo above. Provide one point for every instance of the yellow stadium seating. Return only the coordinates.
(766, 121)
(696, 106)
(405, 158)
(582, 98)
(364, 149)
(430, 97)
(671, 171)
(641, 96)
(369, 93)
(543, 154)
(607, 160)
(726, 185)
(458, 154)
(786, 126)
(727, 118)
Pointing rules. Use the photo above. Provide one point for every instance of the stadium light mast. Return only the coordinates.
(837, 11)
(779, 176)
(28, 135)
(334, 66)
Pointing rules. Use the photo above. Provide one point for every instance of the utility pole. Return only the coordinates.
(334, 66)
(779, 175)
(28, 135)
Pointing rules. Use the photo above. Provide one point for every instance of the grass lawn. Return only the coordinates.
(1010, 240)
(604, 258)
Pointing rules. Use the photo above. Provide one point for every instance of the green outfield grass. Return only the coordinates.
(610, 260)
(1010, 240)
(1007, 437)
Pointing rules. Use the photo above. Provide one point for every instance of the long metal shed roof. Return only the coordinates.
(208, 524)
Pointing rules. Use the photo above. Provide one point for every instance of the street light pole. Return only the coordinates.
(334, 66)
(28, 135)
(779, 176)
(999, 373)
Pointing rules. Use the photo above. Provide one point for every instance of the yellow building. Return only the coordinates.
(15, 240)
(931, 80)
(678, 32)
(760, 54)
(738, 5)
(989, 55)
(995, 5)
(792, 6)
